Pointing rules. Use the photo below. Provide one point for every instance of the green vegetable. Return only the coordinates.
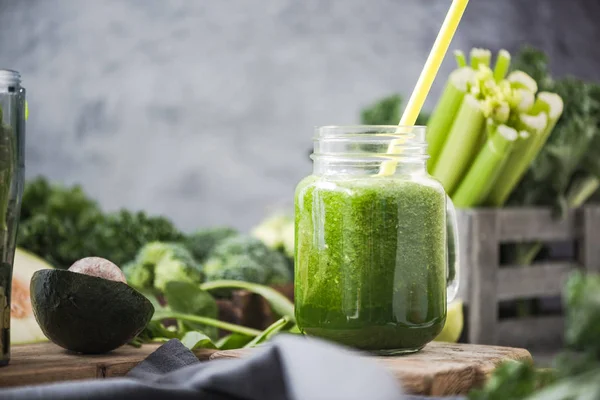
(202, 242)
(197, 340)
(445, 112)
(476, 101)
(63, 225)
(268, 333)
(461, 145)
(233, 341)
(159, 263)
(246, 258)
(161, 315)
(188, 298)
(277, 232)
(56, 222)
(502, 65)
(550, 176)
(154, 329)
(512, 380)
(139, 275)
(119, 236)
(236, 267)
(172, 267)
(549, 107)
(278, 302)
(566, 172)
(461, 59)
(484, 171)
(480, 57)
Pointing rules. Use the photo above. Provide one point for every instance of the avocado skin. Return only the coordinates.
(87, 314)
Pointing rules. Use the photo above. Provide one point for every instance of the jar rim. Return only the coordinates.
(393, 131)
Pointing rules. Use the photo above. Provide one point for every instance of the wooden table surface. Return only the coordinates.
(439, 369)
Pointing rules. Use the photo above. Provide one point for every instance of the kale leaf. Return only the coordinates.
(62, 225)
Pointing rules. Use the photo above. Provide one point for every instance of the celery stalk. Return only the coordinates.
(460, 58)
(442, 117)
(499, 111)
(461, 145)
(480, 57)
(520, 158)
(526, 100)
(552, 105)
(502, 65)
(482, 175)
(520, 80)
(549, 104)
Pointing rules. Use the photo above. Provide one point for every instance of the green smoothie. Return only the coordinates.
(371, 261)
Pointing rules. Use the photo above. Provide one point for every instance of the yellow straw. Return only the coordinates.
(430, 70)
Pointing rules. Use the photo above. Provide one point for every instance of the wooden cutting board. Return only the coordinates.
(439, 369)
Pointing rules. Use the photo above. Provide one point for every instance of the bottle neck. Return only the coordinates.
(10, 81)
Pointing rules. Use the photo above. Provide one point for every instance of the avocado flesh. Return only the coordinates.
(87, 314)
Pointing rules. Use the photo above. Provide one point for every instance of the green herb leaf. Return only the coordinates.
(155, 329)
(197, 340)
(582, 298)
(188, 298)
(295, 329)
(271, 331)
(233, 341)
(511, 380)
(168, 314)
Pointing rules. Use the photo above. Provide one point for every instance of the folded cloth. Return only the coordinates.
(288, 368)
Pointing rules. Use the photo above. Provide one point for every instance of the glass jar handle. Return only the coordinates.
(453, 270)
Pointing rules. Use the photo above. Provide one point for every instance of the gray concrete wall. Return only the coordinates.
(203, 110)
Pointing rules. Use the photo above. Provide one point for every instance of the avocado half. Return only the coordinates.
(87, 314)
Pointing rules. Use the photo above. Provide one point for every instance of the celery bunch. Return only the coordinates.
(487, 128)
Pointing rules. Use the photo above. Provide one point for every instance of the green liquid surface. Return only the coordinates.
(371, 261)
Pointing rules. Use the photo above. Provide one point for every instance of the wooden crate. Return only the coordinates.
(485, 282)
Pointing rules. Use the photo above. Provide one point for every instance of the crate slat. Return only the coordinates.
(483, 260)
(547, 279)
(531, 224)
(589, 249)
(534, 332)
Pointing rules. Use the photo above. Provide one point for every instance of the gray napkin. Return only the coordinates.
(288, 368)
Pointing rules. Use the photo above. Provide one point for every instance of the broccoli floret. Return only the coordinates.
(158, 263)
(275, 231)
(239, 267)
(248, 259)
(153, 252)
(174, 268)
(139, 275)
(280, 272)
(202, 242)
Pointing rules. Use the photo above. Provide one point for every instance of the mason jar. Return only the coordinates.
(12, 170)
(376, 253)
